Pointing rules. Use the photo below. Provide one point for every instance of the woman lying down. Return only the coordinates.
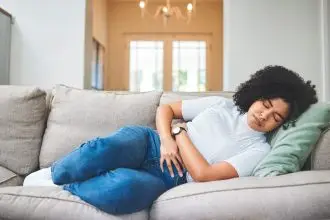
(224, 138)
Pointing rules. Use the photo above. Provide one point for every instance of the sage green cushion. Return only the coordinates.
(291, 147)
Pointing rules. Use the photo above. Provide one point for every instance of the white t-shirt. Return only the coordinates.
(221, 133)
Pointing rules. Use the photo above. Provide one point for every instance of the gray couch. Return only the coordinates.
(38, 127)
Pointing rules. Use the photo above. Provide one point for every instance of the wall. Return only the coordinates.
(325, 20)
(100, 29)
(100, 21)
(48, 42)
(327, 57)
(125, 18)
(264, 32)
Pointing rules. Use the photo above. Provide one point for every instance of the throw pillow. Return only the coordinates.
(77, 116)
(291, 147)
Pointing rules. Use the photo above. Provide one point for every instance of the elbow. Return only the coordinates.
(199, 176)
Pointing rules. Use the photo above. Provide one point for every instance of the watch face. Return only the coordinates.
(176, 130)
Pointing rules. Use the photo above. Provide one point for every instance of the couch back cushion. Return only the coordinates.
(320, 157)
(168, 97)
(22, 122)
(79, 115)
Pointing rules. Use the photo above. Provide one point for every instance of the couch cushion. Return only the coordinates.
(168, 97)
(320, 158)
(302, 195)
(8, 178)
(292, 146)
(22, 120)
(79, 115)
(51, 203)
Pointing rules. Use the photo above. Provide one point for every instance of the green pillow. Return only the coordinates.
(291, 147)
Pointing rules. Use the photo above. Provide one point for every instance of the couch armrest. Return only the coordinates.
(9, 178)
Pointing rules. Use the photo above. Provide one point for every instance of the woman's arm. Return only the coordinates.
(199, 169)
(169, 149)
(165, 114)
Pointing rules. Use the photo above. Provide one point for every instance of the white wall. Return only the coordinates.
(267, 32)
(48, 42)
(327, 57)
(325, 34)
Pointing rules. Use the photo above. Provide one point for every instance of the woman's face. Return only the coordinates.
(266, 115)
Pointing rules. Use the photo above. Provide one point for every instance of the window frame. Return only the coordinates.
(168, 52)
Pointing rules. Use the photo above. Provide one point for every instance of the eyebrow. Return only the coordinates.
(271, 104)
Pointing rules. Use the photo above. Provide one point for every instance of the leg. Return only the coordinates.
(124, 148)
(120, 191)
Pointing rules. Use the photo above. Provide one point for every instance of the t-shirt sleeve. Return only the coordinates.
(245, 162)
(192, 107)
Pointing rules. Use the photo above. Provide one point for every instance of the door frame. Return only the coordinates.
(167, 65)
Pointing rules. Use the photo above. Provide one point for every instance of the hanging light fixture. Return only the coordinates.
(167, 11)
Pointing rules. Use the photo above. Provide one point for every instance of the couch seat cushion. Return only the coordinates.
(51, 203)
(9, 178)
(79, 115)
(22, 121)
(302, 195)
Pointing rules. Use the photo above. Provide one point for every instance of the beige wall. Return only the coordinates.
(124, 19)
(100, 21)
(100, 30)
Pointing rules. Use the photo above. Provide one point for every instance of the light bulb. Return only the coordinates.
(165, 10)
(142, 4)
(189, 7)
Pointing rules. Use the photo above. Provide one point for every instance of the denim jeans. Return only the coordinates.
(118, 174)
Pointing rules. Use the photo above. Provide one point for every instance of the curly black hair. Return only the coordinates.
(276, 82)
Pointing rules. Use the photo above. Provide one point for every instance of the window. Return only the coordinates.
(146, 65)
(189, 66)
(171, 63)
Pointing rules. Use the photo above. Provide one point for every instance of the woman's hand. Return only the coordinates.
(169, 152)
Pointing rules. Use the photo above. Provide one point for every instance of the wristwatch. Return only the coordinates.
(177, 130)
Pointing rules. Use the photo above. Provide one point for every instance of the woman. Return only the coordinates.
(126, 171)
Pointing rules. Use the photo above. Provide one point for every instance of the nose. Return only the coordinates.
(264, 114)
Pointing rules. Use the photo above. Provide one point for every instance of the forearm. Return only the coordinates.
(164, 119)
(192, 158)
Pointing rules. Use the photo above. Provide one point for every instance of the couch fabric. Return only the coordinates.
(51, 203)
(9, 178)
(22, 120)
(320, 157)
(77, 115)
(302, 195)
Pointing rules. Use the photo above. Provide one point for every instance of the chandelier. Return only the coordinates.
(167, 11)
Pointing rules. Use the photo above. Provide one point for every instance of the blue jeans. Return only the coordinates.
(118, 174)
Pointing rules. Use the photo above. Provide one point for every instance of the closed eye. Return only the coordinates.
(266, 103)
(277, 117)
